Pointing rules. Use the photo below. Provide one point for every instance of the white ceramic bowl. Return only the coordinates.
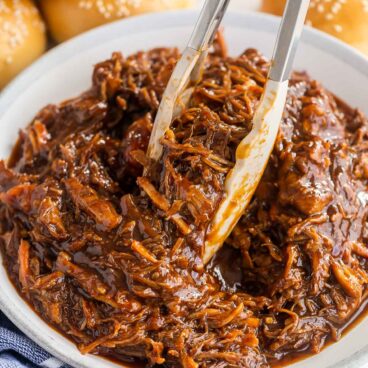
(66, 71)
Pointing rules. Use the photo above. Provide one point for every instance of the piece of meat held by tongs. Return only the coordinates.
(253, 152)
(186, 73)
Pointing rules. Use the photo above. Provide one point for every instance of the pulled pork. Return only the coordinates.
(112, 257)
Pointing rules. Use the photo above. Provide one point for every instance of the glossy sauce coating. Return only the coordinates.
(112, 258)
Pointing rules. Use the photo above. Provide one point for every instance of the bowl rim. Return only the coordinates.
(140, 24)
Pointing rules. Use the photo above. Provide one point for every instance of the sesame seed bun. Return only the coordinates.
(67, 18)
(344, 19)
(22, 37)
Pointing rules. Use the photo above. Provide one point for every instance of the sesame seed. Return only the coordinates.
(9, 59)
(329, 16)
(338, 28)
(336, 8)
(119, 8)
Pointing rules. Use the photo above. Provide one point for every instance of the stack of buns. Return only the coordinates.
(344, 19)
(23, 24)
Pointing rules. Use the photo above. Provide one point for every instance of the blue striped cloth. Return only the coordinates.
(17, 351)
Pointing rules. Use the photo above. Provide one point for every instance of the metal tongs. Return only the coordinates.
(253, 152)
(187, 71)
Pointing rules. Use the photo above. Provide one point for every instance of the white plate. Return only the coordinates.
(66, 71)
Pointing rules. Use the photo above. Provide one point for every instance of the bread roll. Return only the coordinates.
(22, 37)
(345, 19)
(67, 18)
